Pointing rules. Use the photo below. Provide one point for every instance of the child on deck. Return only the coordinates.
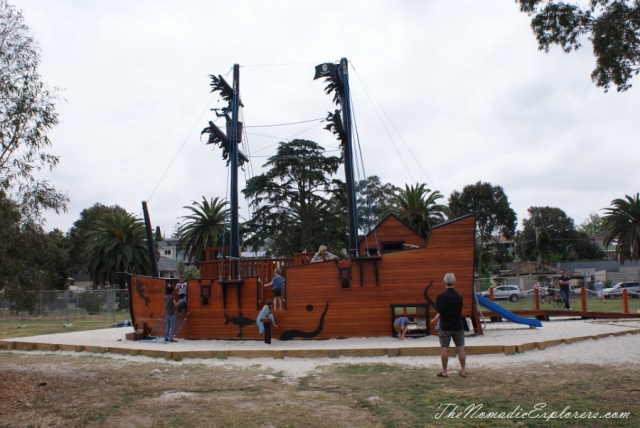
(278, 283)
(182, 288)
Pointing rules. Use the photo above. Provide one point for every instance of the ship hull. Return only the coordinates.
(347, 298)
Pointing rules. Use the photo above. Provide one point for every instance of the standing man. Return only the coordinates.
(564, 281)
(449, 307)
(600, 290)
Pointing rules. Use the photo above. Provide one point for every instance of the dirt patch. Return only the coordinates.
(56, 390)
(62, 390)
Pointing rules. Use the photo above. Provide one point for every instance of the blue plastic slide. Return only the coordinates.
(507, 314)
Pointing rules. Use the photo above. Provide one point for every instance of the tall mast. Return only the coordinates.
(229, 143)
(234, 139)
(348, 159)
(340, 123)
(150, 242)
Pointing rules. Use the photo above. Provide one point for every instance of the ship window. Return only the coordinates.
(205, 291)
(391, 246)
(420, 315)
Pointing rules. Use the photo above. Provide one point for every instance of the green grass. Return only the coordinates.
(17, 326)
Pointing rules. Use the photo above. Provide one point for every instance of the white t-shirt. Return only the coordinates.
(182, 288)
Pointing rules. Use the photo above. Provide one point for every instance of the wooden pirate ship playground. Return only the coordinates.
(392, 271)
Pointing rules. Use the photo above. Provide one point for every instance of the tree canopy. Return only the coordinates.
(612, 26)
(418, 208)
(622, 219)
(203, 228)
(117, 243)
(564, 241)
(77, 235)
(491, 207)
(27, 114)
(30, 259)
(592, 225)
(290, 210)
(380, 198)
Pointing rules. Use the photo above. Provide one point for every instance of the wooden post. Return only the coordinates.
(583, 299)
(625, 301)
(536, 299)
(491, 293)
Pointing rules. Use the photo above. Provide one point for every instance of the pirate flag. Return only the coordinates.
(325, 70)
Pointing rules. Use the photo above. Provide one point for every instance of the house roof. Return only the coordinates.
(166, 264)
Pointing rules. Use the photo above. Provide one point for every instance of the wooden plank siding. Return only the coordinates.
(390, 229)
(358, 311)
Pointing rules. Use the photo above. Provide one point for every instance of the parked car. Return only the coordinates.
(633, 290)
(504, 292)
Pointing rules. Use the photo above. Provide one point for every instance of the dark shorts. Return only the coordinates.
(446, 335)
(277, 292)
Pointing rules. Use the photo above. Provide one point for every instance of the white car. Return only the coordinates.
(504, 292)
(633, 290)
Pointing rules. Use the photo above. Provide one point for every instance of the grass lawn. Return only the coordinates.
(16, 326)
(101, 391)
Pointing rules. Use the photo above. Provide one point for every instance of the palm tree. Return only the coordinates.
(203, 228)
(417, 206)
(622, 219)
(117, 243)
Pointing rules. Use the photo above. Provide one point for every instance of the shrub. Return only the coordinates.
(90, 301)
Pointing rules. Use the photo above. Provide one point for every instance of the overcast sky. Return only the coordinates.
(463, 92)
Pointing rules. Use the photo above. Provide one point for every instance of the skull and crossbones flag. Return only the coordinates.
(325, 70)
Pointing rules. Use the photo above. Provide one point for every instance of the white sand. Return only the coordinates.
(621, 350)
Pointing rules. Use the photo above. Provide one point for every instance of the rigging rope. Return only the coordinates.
(279, 65)
(250, 172)
(321, 119)
(372, 99)
(367, 220)
(180, 149)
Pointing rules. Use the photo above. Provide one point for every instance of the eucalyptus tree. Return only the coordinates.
(418, 207)
(204, 227)
(27, 114)
(117, 243)
(622, 219)
(612, 27)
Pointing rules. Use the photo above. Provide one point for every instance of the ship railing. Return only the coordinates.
(261, 268)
